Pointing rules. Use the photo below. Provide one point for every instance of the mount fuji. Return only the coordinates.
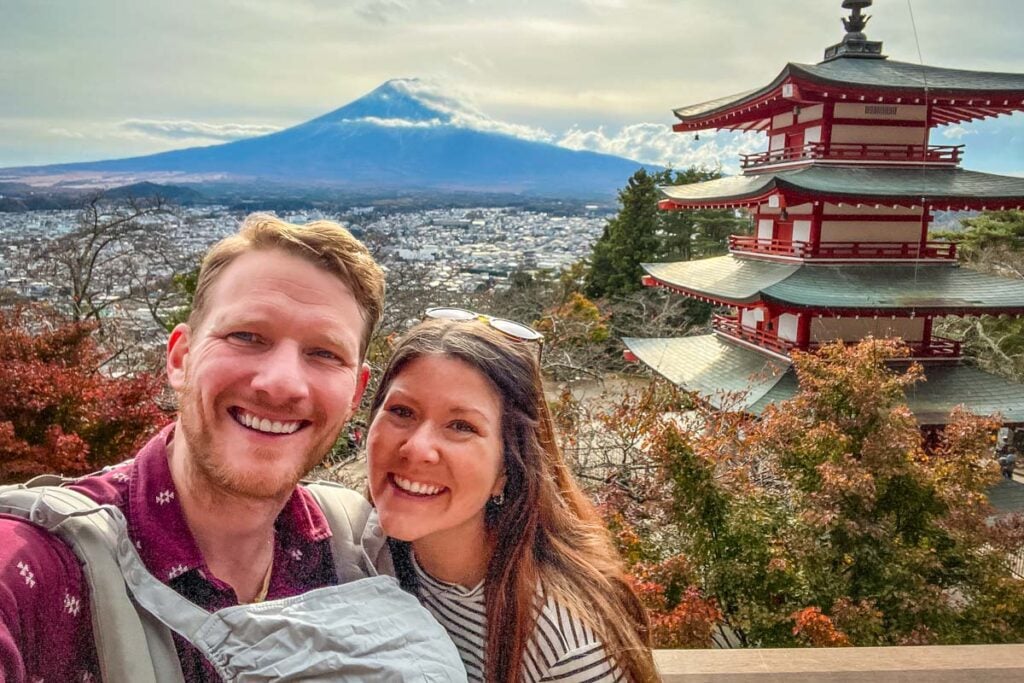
(404, 135)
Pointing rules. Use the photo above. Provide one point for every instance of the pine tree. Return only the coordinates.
(641, 233)
(629, 239)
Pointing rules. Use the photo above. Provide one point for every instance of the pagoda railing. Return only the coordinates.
(842, 250)
(729, 325)
(855, 151)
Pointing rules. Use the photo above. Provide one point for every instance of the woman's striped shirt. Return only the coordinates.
(562, 648)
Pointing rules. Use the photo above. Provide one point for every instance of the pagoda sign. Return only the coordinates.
(841, 202)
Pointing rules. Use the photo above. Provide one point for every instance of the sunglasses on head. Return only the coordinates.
(508, 327)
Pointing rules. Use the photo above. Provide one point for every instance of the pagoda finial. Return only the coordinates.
(857, 21)
(855, 43)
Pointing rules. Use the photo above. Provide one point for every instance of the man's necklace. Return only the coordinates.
(262, 595)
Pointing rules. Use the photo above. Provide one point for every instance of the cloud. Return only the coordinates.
(656, 143)
(457, 108)
(956, 132)
(381, 11)
(65, 133)
(193, 130)
(395, 123)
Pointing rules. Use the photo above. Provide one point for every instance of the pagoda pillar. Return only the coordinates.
(803, 331)
(926, 335)
(926, 212)
(817, 216)
(828, 113)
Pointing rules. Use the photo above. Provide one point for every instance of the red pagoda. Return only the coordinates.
(841, 203)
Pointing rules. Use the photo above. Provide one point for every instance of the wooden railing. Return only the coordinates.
(729, 325)
(851, 151)
(922, 664)
(843, 250)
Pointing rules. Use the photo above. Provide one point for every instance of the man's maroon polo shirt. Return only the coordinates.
(45, 627)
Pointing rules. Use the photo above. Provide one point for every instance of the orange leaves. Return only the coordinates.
(681, 616)
(690, 624)
(58, 411)
(817, 630)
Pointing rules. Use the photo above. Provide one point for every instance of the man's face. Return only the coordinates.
(269, 377)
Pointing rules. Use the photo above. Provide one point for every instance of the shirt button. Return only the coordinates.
(376, 531)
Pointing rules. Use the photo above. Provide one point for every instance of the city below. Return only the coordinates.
(461, 250)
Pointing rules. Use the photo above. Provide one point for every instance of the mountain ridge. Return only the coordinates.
(402, 135)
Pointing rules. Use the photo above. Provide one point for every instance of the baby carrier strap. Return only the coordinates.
(131, 645)
(357, 540)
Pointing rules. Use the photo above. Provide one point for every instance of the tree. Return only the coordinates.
(629, 239)
(59, 412)
(103, 260)
(825, 522)
(993, 242)
(641, 233)
(692, 235)
(181, 293)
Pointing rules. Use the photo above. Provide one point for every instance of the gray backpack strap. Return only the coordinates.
(357, 541)
(130, 644)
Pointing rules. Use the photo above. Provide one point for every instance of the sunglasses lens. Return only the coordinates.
(450, 313)
(514, 329)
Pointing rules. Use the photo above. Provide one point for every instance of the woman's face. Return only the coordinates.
(435, 452)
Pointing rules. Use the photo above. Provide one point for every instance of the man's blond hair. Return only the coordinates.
(323, 243)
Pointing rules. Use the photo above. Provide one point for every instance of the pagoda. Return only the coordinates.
(841, 203)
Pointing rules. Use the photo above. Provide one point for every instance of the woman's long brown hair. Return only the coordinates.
(547, 532)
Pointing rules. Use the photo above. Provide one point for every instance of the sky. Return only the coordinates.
(104, 79)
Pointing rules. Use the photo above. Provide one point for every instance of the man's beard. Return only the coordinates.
(251, 483)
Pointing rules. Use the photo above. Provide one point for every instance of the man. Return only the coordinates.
(267, 371)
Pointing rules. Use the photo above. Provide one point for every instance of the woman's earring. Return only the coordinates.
(498, 500)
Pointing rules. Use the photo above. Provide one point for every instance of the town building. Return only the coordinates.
(841, 203)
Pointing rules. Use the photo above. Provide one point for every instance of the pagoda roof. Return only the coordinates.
(942, 187)
(939, 289)
(722, 279)
(956, 94)
(720, 371)
(723, 373)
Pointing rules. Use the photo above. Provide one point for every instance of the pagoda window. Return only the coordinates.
(903, 112)
(783, 120)
(868, 231)
(788, 323)
(750, 317)
(873, 134)
(812, 113)
(910, 330)
(802, 231)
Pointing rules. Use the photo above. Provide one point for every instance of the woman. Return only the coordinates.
(488, 527)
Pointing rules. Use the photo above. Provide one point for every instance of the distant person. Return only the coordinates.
(488, 527)
(209, 518)
(1008, 462)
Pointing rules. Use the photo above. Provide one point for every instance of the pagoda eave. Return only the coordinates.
(793, 197)
(733, 377)
(865, 290)
(898, 311)
(955, 95)
(937, 188)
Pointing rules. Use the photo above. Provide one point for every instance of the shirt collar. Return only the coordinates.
(157, 524)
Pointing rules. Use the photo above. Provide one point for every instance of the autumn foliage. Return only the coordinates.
(59, 412)
(825, 522)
